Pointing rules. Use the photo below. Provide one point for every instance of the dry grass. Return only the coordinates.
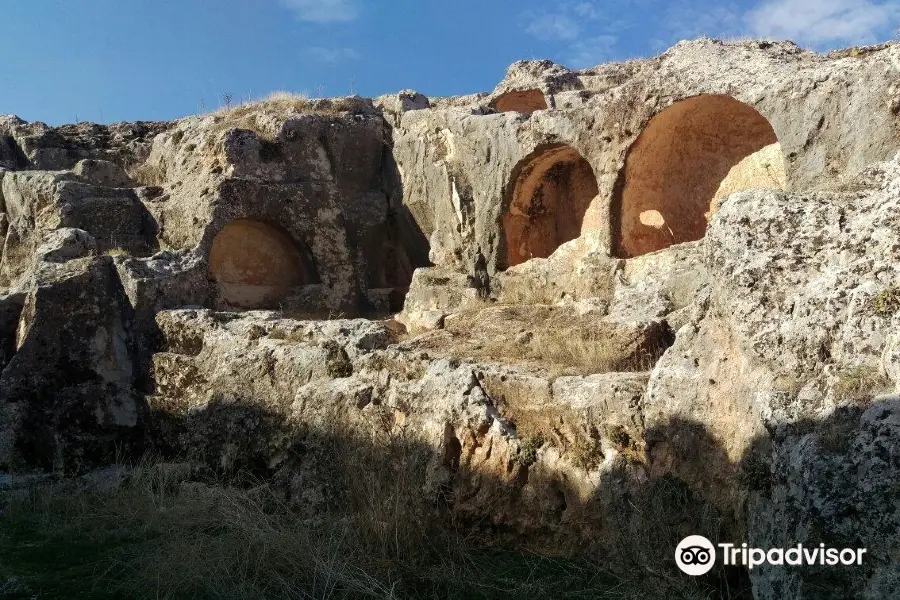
(118, 252)
(176, 539)
(257, 115)
(554, 340)
(570, 348)
(522, 291)
(166, 531)
(571, 351)
(860, 384)
(654, 520)
(161, 533)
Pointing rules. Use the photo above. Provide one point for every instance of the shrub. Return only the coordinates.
(158, 535)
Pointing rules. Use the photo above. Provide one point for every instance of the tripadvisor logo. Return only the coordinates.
(696, 555)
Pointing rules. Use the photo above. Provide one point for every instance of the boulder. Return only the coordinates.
(68, 397)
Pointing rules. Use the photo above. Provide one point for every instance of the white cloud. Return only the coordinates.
(553, 27)
(323, 11)
(587, 10)
(591, 52)
(822, 22)
(332, 56)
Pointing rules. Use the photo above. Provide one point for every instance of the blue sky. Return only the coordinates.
(114, 60)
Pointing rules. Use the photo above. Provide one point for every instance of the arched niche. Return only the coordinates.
(256, 265)
(550, 196)
(525, 102)
(689, 157)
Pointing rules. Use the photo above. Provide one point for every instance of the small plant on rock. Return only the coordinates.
(118, 252)
(337, 361)
(859, 384)
(528, 449)
(887, 303)
(587, 453)
(624, 443)
(278, 333)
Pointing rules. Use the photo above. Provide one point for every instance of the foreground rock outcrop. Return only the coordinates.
(634, 302)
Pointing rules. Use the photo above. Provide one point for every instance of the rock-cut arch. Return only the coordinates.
(551, 193)
(690, 156)
(255, 265)
(526, 102)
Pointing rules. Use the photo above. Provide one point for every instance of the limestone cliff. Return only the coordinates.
(577, 291)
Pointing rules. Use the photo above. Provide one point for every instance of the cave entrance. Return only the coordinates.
(255, 265)
(552, 192)
(689, 157)
(391, 252)
(525, 102)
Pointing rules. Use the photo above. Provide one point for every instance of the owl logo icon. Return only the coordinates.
(695, 555)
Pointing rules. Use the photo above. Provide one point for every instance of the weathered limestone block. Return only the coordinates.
(68, 398)
(102, 173)
(611, 399)
(214, 365)
(833, 481)
(321, 174)
(38, 202)
(576, 271)
(588, 419)
(57, 148)
(163, 281)
(434, 289)
(260, 391)
(678, 273)
(394, 105)
(61, 245)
